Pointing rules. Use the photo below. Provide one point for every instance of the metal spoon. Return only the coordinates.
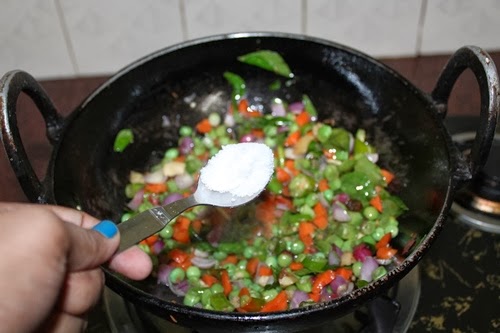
(151, 221)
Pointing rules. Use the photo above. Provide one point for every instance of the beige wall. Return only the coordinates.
(67, 38)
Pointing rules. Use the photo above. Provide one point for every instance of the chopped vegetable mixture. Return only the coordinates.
(322, 227)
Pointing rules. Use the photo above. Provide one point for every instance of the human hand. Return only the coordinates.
(50, 275)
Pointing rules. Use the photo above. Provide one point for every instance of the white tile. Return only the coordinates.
(210, 17)
(379, 28)
(31, 39)
(450, 24)
(107, 35)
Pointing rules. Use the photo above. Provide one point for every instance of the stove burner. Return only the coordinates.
(479, 203)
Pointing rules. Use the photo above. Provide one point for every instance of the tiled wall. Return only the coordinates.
(66, 38)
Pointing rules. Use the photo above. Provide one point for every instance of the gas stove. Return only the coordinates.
(454, 288)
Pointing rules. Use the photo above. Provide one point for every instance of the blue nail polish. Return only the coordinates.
(107, 228)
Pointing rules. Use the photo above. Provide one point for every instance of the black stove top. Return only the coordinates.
(455, 287)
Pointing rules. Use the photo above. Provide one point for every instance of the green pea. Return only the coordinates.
(146, 205)
(284, 259)
(378, 233)
(125, 217)
(249, 252)
(205, 297)
(214, 119)
(185, 131)
(335, 184)
(393, 229)
(271, 142)
(167, 232)
(379, 272)
(217, 288)
(270, 131)
(304, 284)
(324, 133)
(356, 268)
(328, 195)
(371, 213)
(177, 275)
(368, 227)
(297, 247)
(230, 268)
(145, 248)
(269, 294)
(331, 172)
(271, 261)
(193, 272)
(220, 255)
(191, 298)
(171, 154)
(242, 264)
(311, 199)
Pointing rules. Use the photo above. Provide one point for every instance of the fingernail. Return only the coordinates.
(106, 228)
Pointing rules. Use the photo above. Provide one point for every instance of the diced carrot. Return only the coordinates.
(323, 185)
(279, 303)
(290, 166)
(197, 225)
(386, 252)
(226, 282)
(292, 139)
(321, 216)
(376, 202)
(315, 297)
(151, 239)
(230, 259)
(208, 279)
(203, 126)
(388, 176)
(282, 175)
(177, 255)
(295, 266)
(322, 279)
(243, 105)
(345, 272)
(265, 270)
(252, 265)
(248, 303)
(302, 118)
(155, 188)
(258, 133)
(181, 230)
(305, 233)
(264, 212)
(384, 241)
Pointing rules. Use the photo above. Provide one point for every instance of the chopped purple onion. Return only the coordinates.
(369, 265)
(298, 297)
(171, 198)
(343, 197)
(248, 138)
(157, 247)
(333, 258)
(180, 289)
(164, 274)
(339, 285)
(184, 181)
(278, 110)
(204, 263)
(186, 145)
(372, 157)
(136, 200)
(296, 107)
(340, 214)
(360, 252)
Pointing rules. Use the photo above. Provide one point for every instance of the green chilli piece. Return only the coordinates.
(268, 60)
(309, 106)
(238, 85)
(123, 139)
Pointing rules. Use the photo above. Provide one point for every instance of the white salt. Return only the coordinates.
(241, 170)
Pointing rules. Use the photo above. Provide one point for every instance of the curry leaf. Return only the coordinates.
(268, 60)
(123, 139)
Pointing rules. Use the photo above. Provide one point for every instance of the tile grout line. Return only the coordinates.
(184, 28)
(420, 28)
(67, 37)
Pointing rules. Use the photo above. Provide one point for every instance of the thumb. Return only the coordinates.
(89, 248)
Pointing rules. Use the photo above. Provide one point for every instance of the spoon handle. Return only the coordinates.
(151, 221)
